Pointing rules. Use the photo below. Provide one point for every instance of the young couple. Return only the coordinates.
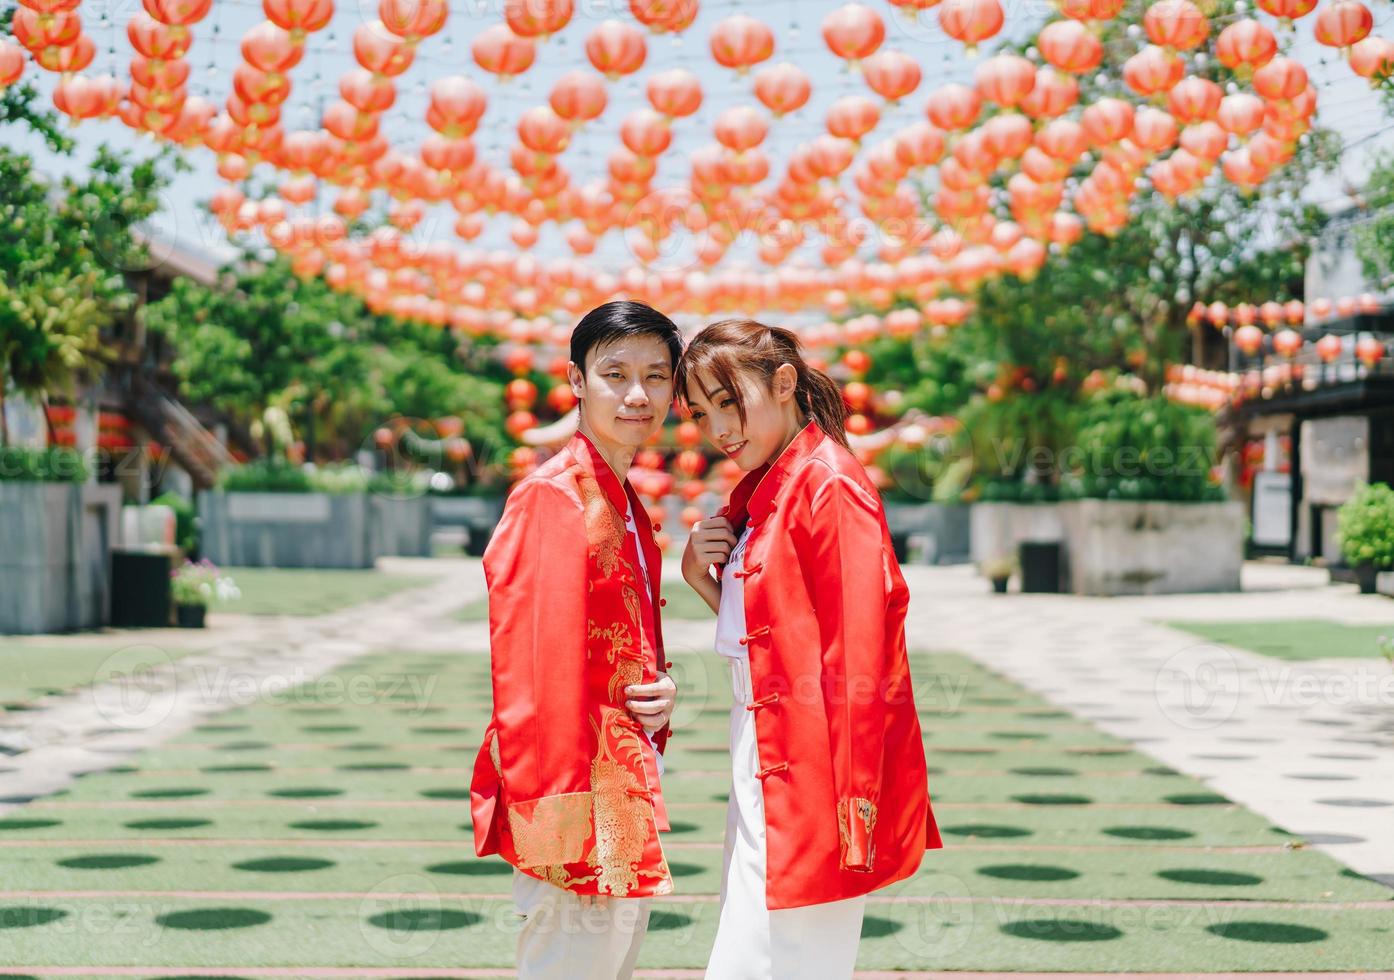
(829, 796)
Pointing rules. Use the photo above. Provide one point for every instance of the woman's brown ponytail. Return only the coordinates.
(729, 348)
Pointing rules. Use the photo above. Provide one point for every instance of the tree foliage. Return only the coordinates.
(263, 337)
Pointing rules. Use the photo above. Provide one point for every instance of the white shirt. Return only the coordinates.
(730, 616)
(633, 529)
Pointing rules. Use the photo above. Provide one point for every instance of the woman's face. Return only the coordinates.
(768, 414)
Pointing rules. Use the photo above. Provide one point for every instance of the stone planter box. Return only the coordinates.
(478, 515)
(996, 529)
(1123, 547)
(400, 526)
(286, 530)
(945, 525)
(55, 555)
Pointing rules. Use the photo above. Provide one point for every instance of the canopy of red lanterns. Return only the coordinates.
(990, 177)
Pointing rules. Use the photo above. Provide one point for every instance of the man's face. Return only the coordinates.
(625, 389)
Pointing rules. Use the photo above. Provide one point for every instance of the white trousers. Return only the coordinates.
(562, 940)
(815, 942)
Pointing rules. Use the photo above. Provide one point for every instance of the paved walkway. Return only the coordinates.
(1303, 743)
(247, 658)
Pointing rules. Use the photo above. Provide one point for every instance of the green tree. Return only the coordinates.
(64, 252)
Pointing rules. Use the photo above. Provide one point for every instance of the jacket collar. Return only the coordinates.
(617, 491)
(754, 495)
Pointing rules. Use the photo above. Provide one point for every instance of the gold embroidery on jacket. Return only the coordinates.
(552, 828)
(494, 753)
(604, 527)
(622, 818)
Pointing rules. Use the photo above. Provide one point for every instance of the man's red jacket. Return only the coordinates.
(847, 806)
(565, 785)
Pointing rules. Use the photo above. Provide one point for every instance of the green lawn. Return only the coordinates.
(1292, 639)
(357, 784)
(57, 664)
(309, 591)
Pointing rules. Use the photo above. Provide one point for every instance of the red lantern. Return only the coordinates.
(1287, 342)
(519, 422)
(299, 17)
(1107, 121)
(456, 105)
(1005, 79)
(1194, 99)
(11, 63)
(269, 48)
(690, 463)
(1070, 46)
(891, 74)
(741, 42)
(1248, 339)
(500, 52)
(1369, 350)
(740, 128)
(616, 48)
(543, 131)
(675, 93)
(782, 88)
(1154, 130)
(379, 52)
(520, 393)
(1245, 45)
(664, 16)
(970, 21)
(1329, 348)
(853, 32)
(857, 394)
(1240, 113)
(412, 20)
(561, 399)
(519, 360)
(1341, 23)
(1282, 79)
(852, 117)
(1176, 24)
(857, 361)
(953, 107)
(1153, 70)
(1372, 58)
(537, 18)
(1287, 10)
(858, 424)
(645, 133)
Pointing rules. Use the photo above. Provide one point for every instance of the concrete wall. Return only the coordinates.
(995, 529)
(55, 555)
(1119, 547)
(946, 526)
(285, 530)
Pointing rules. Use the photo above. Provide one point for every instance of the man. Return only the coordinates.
(566, 785)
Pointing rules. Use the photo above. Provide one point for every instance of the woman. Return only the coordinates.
(829, 797)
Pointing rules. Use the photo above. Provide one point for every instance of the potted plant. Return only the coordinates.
(1365, 532)
(194, 586)
(998, 569)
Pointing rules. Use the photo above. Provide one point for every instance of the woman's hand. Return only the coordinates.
(652, 704)
(711, 541)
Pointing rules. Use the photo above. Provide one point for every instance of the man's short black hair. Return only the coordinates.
(619, 319)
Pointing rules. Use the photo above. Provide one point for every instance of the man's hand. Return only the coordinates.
(711, 541)
(652, 704)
